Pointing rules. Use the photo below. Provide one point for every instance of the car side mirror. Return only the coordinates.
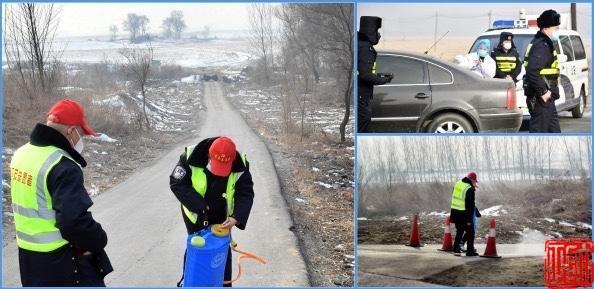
(562, 58)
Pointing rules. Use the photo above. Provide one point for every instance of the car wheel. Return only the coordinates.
(450, 123)
(578, 110)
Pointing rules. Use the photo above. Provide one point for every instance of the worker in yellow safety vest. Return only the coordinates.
(213, 183)
(59, 242)
(462, 212)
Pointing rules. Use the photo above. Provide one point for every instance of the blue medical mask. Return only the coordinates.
(483, 52)
(555, 36)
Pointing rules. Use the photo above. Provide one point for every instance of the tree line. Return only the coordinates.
(299, 44)
(389, 161)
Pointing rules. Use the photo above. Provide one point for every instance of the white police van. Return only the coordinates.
(574, 65)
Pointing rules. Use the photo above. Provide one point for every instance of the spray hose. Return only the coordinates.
(243, 255)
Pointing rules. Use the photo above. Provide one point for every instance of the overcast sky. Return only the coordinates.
(461, 19)
(90, 19)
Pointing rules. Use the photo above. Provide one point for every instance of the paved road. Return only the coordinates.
(399, 265)
(570, 124)
(146, 233)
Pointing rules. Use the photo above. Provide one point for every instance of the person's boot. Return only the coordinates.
(472, 253)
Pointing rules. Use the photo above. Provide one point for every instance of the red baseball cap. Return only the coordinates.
(472, 177)
(69, 112)
(222, 154)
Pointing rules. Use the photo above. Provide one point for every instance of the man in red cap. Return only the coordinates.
(60, 244)
(462, 213)
(214, 185)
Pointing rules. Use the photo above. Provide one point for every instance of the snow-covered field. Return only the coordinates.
(192, 54)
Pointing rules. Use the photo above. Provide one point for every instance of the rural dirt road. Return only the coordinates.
(143, 221)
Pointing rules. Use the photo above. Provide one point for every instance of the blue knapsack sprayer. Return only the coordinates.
(206, 256)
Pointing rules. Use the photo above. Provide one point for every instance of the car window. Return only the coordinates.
(439, 75)
(406, 70)
(566, 44)
(578, 48)
(521, 42)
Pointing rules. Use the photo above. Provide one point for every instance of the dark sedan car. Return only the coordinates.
(430, 95)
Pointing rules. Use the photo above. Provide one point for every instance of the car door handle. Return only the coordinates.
(421, 95)
(585, 69)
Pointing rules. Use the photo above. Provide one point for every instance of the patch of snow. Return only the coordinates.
(103, 137)
(191, 79)
(494, 211)
(550, 220)
(440, 214)
(339, 247)
(556, 234)
(403, 218)
(327, 186)
(93, 191)
(8, 151)
(362, 219)
(5, 185)
(114, 101)
(300, 200)
(566, 224)
(584, 225)
(315, 169)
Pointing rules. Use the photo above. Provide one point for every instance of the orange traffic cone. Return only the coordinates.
(491, 250)
(415, 239)
(448, 245)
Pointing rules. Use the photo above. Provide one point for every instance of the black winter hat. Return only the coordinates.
(506, 36)
(368, 26)
(548, 19)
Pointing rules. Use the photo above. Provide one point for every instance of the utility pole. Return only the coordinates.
(573, 17)
(435, 34)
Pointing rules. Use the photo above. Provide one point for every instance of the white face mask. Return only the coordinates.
(79, 146)
(507, 46)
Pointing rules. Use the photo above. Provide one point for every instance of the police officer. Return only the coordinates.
(214, 185)
(60, 244)
(507, 58)
(368, 36)
(541, 82)
(462, 213)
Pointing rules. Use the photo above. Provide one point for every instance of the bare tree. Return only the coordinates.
(334, 26)
(261, 35)
(138, 64)
(174, 25)
(137, 26)
(113, 32)
(28, 45)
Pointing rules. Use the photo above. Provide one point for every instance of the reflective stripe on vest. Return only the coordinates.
(199, 183)
(506, 63)
(459, 196)
(374, 68)
(34, 217)
(549, 71)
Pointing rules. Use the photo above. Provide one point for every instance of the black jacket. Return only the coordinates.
(513, 52)
(213, 207)
(539, 57)
(367, 37)
(66, 266)
(457, 216)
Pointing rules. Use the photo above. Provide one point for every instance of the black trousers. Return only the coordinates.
(543, 115)
(462, 229)
(363, 114)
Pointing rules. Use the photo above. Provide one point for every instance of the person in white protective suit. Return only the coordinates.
(480, 61)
